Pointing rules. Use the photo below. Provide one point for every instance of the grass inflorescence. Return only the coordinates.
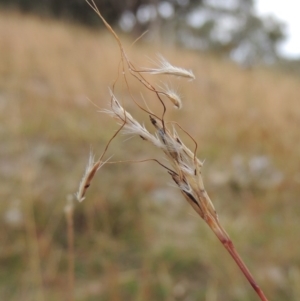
(185, 167)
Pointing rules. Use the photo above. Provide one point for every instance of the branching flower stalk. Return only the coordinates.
(185, 167)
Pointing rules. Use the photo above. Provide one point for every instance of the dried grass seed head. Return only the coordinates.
(173, 96)
(90, 172)
(130, 125)
(164, 67)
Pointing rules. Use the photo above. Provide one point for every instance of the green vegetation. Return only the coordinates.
(135, 237)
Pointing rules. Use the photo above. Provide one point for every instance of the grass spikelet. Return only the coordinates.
(164, 67)
(89, 174)
(130, 125)
(173, 96)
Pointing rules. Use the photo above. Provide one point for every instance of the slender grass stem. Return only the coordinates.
(69, 210)
(229, 246)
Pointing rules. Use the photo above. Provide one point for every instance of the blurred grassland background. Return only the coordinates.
(135, 236)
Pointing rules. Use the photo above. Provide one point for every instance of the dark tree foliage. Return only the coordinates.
(226, 27)
(76, 10)
(79, 11)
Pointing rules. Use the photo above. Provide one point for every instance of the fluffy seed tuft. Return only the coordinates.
(90, 172)
(173, 96)
(164, 67)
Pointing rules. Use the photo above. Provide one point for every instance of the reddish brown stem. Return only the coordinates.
(228, 244)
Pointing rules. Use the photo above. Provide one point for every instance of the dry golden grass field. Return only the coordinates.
(135, 237)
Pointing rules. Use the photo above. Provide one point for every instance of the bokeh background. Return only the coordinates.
(135, 238)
